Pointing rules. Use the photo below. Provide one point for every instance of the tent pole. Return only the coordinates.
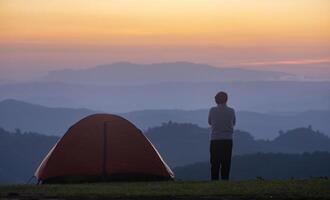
(104, 173)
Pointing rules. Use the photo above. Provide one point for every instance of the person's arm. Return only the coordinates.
(234, 120)
(209, 118)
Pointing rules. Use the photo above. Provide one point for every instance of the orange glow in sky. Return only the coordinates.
(163, 30)
(166, 22)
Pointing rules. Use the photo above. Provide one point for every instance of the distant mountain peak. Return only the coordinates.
(10, 101)
(127, 73)
(14, 102)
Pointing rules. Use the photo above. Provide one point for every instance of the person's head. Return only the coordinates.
(221, 98)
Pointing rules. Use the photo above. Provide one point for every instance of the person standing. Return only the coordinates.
(222, 121)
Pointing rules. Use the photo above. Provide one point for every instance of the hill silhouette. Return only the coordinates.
(31, 117)
(299, 140)
(21, 153)
(265, 166)
(182, 145)
(55, 121)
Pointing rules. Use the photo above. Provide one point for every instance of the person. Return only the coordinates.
(222, 121)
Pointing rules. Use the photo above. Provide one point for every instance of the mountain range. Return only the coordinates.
(182, 144)
(125, 73)
(124, 87)
(256, 96)
(55, 121)
(185, 144)
(31, 117)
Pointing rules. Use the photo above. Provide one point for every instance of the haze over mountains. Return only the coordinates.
(55, 121)
(30, 117)
(125, 87)
(182, 92)
(260, 96)
(125, 73)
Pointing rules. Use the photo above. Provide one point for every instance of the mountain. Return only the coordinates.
(125, 73)
(260, 96)
(184, 143)
(55, 121)
(181, 144)
(260, 125)
(264, 166)
(21, 154)
(30, 117)
(299, 140)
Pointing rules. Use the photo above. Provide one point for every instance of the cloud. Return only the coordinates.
(290, 62)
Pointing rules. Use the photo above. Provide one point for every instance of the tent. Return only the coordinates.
(103, 147)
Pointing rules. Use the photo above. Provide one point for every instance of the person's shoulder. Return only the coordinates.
(213, 108)
(231, 109)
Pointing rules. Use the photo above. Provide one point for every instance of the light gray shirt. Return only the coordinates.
(222, 120)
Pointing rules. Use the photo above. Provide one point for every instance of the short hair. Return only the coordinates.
(221, 98)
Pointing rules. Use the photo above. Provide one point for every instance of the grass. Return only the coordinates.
(257, 189)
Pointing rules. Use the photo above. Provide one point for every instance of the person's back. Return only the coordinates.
(222, 121)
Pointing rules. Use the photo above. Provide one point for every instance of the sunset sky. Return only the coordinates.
(39, 35)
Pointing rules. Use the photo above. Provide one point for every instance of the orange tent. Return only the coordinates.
(103, 147)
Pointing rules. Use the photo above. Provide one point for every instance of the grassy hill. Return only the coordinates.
(251, 189)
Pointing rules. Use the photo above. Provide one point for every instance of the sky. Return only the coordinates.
(37, 35)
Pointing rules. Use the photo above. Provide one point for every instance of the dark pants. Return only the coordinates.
(220, 158)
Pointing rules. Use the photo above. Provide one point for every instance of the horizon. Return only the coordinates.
(301, 70)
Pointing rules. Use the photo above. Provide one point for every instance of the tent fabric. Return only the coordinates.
(103, 146)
